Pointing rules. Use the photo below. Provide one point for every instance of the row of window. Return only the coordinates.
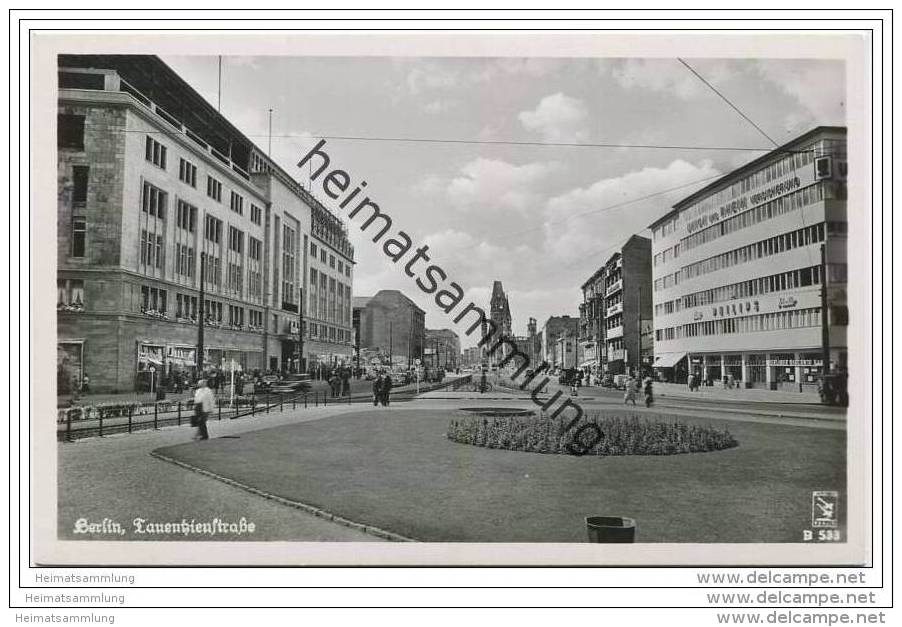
(784, 167)
(761, 213)
(758, 250)
(775, 321)
(343, 267)
(666, 256)
(792, 279)
(329, 299)
(325, 332)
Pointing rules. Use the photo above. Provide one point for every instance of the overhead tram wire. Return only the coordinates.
(478, 142)
(727, 100)
(759, 129)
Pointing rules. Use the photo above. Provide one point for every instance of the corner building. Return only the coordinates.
(738, 274)
(154, 185)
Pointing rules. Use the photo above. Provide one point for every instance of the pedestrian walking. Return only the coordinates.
(630, 393)
(345, 381)
(203, 405)
(377, 389)
(649, 397)
(386, 390)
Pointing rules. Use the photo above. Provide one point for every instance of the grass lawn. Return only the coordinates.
(396, 470)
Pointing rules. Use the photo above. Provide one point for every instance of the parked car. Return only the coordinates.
(620, 381)
(292, 384)
(607, 381)
(399, 377)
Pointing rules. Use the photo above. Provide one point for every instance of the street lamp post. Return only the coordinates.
(199, 357)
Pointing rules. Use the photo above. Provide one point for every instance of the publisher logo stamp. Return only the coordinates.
(824, 509)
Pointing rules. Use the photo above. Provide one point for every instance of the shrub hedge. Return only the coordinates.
(620, 435)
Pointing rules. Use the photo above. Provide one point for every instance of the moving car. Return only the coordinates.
(620, 381)
(399, 377)
(264, 384)
(292, 384)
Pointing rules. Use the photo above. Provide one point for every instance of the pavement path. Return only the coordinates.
(115, 477)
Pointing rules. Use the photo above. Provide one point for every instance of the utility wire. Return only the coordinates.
(727, 100)
(480, 142)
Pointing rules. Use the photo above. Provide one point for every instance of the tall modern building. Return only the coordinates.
(392, 326)
(738, 271)
(628, 308)
(160, 197)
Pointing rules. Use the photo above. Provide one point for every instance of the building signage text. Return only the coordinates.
(742, 203)
(795, 362)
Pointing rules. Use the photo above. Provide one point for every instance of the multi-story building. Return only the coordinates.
(161, 197)
(442, 348)
(391, 325)
(738, 270)
(628, 307)
(471, 357)
(591, 323)
(556, 353)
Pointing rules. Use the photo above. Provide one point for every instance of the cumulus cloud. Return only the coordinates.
(666, 75)
(493, 184)
(439, 106)
(429, 76)
(557, 118)
(817, 85)
(586, 222)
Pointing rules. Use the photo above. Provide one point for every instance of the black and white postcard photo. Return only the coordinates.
(598, 299)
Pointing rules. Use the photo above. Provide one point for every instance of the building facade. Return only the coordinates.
(591, 323)
(160, 197)
(628, 308)
(392, 326)
(442, 348)
(738, 271)
(558, 353)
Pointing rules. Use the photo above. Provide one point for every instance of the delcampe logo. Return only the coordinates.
(824, 509)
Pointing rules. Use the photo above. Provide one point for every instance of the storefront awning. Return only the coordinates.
(668, 360)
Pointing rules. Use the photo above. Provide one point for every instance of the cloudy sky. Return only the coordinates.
(541, 219)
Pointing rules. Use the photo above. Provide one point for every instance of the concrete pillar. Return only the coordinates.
(798, 369)
(767, 370)
(705, 367)
(745, 370)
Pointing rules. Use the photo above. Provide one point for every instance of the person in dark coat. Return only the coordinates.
(386, 390)
(345, 381)
(377, 390)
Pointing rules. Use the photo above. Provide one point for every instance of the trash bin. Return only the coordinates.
(611, 529)
(161, 393)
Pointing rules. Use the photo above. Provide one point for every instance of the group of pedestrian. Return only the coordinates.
(634, 386)
(382, 385)
(340, 382)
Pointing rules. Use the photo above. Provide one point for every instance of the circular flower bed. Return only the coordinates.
(592, 435)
